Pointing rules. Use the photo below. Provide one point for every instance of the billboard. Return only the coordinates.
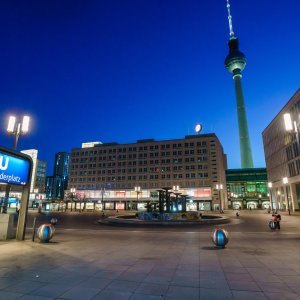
(14, 170)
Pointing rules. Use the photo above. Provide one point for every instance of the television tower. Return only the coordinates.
(235, 63)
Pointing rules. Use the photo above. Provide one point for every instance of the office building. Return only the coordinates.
(118, 174)
(58, 183)
(282, 154)
(247, 188)
(39, 169)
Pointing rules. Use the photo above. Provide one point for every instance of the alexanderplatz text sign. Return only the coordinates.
(16, 169)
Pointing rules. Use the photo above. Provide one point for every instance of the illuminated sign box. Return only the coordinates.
(14, 170)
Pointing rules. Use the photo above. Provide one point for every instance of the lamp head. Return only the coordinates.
(25, 124)
(11, 124)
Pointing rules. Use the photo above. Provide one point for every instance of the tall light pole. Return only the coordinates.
(177, 193)
(278, 200)
(219, 187)
(285, 181)
(102, 192)
(36, 195)
(270, 185)
(16, 129)
(137, 189)
(73, 192)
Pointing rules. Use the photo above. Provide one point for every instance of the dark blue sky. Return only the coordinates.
(127, 70)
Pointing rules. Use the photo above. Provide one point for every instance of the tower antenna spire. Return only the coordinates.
(230, 20)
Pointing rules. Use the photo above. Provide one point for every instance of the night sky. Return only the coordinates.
(130, 69)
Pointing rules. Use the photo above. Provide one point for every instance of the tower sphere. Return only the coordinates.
(235, 61)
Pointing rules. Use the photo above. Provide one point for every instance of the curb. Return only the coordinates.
(117, 221)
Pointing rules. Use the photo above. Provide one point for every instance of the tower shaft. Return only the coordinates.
(245, 146)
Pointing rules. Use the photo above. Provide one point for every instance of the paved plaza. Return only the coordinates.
(89, 261)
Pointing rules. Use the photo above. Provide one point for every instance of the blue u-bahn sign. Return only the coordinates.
(14, 170)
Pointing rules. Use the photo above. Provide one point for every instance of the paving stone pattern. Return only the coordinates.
(122, 264)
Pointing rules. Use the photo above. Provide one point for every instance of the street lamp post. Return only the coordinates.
(176, 192)
(219, 187)
(137, 189)
(16, 129)
(278, 200)
(270, 185)
(102, 193)
(285, 182)
(36, 196)
(73, 193)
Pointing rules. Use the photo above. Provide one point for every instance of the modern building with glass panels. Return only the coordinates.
(58, 183)
(247, 188)
(110, 173)
(282, 152)
(39, 169)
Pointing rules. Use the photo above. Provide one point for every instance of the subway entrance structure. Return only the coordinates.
(16, 170)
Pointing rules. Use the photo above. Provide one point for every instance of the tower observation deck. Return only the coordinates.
(235, 63)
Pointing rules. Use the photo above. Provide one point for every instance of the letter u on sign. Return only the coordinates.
(5, 166)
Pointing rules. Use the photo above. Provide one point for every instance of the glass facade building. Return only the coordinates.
(247, 188)
(58, 183)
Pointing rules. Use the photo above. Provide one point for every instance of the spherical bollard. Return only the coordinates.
(53, 221)
(272, 225)
(45, 232)
(220, 237)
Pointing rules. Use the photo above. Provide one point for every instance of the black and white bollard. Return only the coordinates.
(272, 225)
(53, 221)
(220, 237)
(45, 233)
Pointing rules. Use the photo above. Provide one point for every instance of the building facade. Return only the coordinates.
(282, 154)
(54, 187)
(58, 183)
(61, 169)
(40, 178)
(39, 169)
(61, 164)
(247, 188)
(119, 174)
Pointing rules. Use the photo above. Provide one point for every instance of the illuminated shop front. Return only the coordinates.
(197, 199)
(247, 188)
